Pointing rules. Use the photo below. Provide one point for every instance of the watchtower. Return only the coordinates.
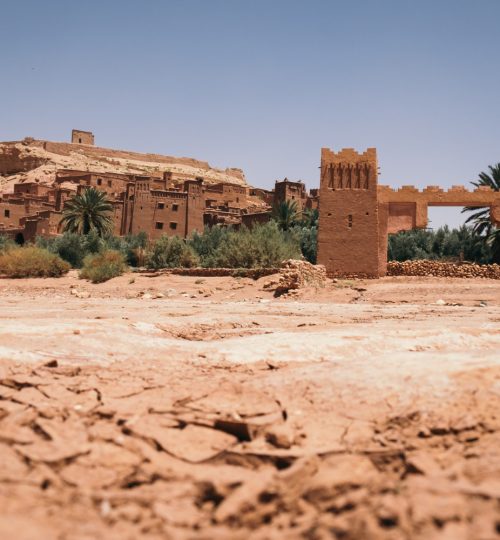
(82, 137)
(348, 236)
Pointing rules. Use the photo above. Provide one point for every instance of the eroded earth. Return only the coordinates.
(205, 408)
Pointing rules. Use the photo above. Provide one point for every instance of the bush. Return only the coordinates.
(102, 266)
(72, 247)
(170, 252)
(442, 244)
(132, 247)
(263, 246)
(206, 244)
(31, 261)
(6, 243)
(308, 242)
(75, 247)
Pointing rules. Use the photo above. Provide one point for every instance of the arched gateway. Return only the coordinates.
(356, 214)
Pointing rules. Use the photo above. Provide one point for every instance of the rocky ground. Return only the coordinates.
(207, 408)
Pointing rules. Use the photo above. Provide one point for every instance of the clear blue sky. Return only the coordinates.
(263, 84)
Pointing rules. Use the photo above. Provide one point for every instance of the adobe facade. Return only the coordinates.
(356, 215)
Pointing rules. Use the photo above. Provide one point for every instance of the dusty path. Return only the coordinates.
(174, 407)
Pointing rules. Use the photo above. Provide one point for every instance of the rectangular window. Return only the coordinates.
(110, 183)
(99, 181)
(159, 225)
(175, 207)
(173, 225)
(6, 213)
(161, 206)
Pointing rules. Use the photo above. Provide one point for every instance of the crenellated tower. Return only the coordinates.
(348, 236)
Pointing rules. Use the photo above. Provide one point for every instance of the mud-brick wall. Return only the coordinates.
(159, 215)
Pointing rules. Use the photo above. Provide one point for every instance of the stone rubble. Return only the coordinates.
(295, 275)
(443, 269)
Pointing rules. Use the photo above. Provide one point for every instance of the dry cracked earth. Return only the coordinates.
(174, 407)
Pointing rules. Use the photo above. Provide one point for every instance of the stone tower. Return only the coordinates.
(82, 137)
(348, 236)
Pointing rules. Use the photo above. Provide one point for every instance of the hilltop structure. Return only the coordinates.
(149, 193)
(356, 214)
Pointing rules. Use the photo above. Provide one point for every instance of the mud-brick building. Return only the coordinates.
(158, 212)
(82, 137)
(27, 199)
(287, 191)
(224, 195)
(46, 223)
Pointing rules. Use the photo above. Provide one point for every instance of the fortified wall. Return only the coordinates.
(356, 215)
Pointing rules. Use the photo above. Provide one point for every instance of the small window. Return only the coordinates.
(173, 225)
(6, 213)
(110, 183)
(349, 221)
(161, 206)
(99, 181)
(175, 207)
(159, 225)
(80, 141)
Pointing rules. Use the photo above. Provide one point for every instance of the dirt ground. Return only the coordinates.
(205, 408)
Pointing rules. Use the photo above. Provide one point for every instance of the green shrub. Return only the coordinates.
(308, 242)
(442, 244)
(6, 243)
(31, 261)
(263, 246)
(170, 252)
(72, 247)
(206, 244)
(132, 247)
(102, 266)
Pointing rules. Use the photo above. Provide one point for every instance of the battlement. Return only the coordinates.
(348, 155)
(437, 196)
(436, 189)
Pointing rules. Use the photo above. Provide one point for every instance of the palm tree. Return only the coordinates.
(480, 219)
(310, 218)
(286, 214)
(88, 211)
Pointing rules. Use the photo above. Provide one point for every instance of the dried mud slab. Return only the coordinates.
(232, 459)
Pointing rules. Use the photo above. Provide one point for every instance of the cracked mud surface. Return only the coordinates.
(174, 407)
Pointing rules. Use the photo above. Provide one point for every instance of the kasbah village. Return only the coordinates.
(183, 390)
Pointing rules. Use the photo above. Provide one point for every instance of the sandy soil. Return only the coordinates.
(205, 408)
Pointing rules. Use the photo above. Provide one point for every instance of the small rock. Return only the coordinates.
(159, 295)
(440, 302)
(281, 436)
(147, 296)
(105, 508)
(76, 332)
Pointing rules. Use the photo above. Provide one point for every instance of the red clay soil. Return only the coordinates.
(187, 408)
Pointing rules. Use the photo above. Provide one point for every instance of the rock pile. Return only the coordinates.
(294, 275)
(443, 269)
